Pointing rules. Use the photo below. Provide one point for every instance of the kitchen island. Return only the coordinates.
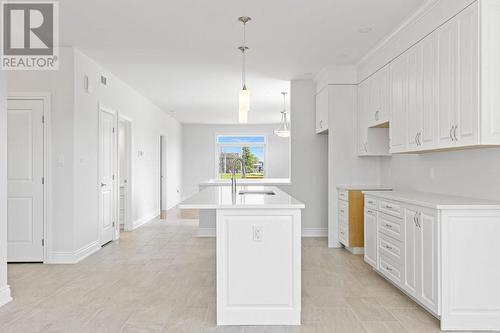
(258, 250)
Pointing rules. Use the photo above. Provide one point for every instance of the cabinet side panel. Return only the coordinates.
(356, 219)
(470, 270)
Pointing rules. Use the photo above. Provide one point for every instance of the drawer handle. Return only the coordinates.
(342, 211)
(388, 247)
(388, 226)
(371, 202)
(388, 268)
(370, 212)
(388, 206)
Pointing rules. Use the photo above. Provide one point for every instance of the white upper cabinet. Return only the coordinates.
(373, 101)
(444, 89)
(322, 104)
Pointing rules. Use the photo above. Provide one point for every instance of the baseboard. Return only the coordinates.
(73, 257)
(314, 232)
(148, 218)
(307, 232)
(5, 295)
(206, 232)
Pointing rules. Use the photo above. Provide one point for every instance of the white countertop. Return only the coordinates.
(247, 181)
(220, 197)
(364, 187)
(435, 200)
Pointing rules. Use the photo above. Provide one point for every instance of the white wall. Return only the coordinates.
(198, 152)
(309, 155)
(74, 148)
(345, 166)
(59, 85)
(148, 123)
(470, 173)
(4, 288)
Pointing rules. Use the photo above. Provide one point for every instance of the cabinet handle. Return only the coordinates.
(376, 115)
(388, 247)
(455, 133)
(370, 212)
(416, 139)
(388, 268)
(342, 211)
(366, 144)
(388, 226)
(370, 202)
(321, 124)
(388, 206)
(451, 133)
(419, 138)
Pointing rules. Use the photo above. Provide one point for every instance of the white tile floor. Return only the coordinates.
(161, 278)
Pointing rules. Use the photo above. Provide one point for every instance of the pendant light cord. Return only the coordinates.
(243, 49)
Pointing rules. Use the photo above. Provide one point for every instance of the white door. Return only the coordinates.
(371, 238)
(25, 180)
(107, 174)
(163, 172)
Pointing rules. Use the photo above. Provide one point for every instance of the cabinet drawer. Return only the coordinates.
(343, 208)
(343, 195)
(391, 248)
(391, 226)
(371, 203)
(390, 269)
(390, 207)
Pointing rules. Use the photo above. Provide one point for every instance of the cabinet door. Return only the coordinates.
(384, 92)
(398, 104)
(430, 116)
(371, 237)
(322, 110)
(412, 241)
(447, 53)
(466, 122)
(428, 292)
(414, 97)
(363, 97)
(373, 110)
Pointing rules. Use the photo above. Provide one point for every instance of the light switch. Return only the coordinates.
(257, 233)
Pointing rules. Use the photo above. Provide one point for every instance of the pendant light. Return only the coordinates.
(244, 98)
(284, 129)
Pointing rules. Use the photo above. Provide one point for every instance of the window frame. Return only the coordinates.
(239, 144)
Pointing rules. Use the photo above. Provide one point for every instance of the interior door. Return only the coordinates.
(107, 174)
(25, 195)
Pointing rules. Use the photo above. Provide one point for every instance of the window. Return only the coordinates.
(251, 148)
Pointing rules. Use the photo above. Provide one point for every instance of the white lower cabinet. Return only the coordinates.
(442, 251)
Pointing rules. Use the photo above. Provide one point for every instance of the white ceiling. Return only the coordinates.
(183, 55)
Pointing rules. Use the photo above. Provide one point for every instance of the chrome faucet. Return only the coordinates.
(233, 173)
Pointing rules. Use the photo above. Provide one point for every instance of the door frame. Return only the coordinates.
(128, 225)
(45, 97)
(162, 170)
(101, 107)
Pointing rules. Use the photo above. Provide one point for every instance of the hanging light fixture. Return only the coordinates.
(284, 129)
(244, 100)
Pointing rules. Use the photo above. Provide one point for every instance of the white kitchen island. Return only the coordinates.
(258, 254)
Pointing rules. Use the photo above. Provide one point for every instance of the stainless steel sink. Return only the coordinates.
(261, 192)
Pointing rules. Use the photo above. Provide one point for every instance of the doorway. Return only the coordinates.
(26, 177)
(163, 176)
(124, 173)
(107, 175)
